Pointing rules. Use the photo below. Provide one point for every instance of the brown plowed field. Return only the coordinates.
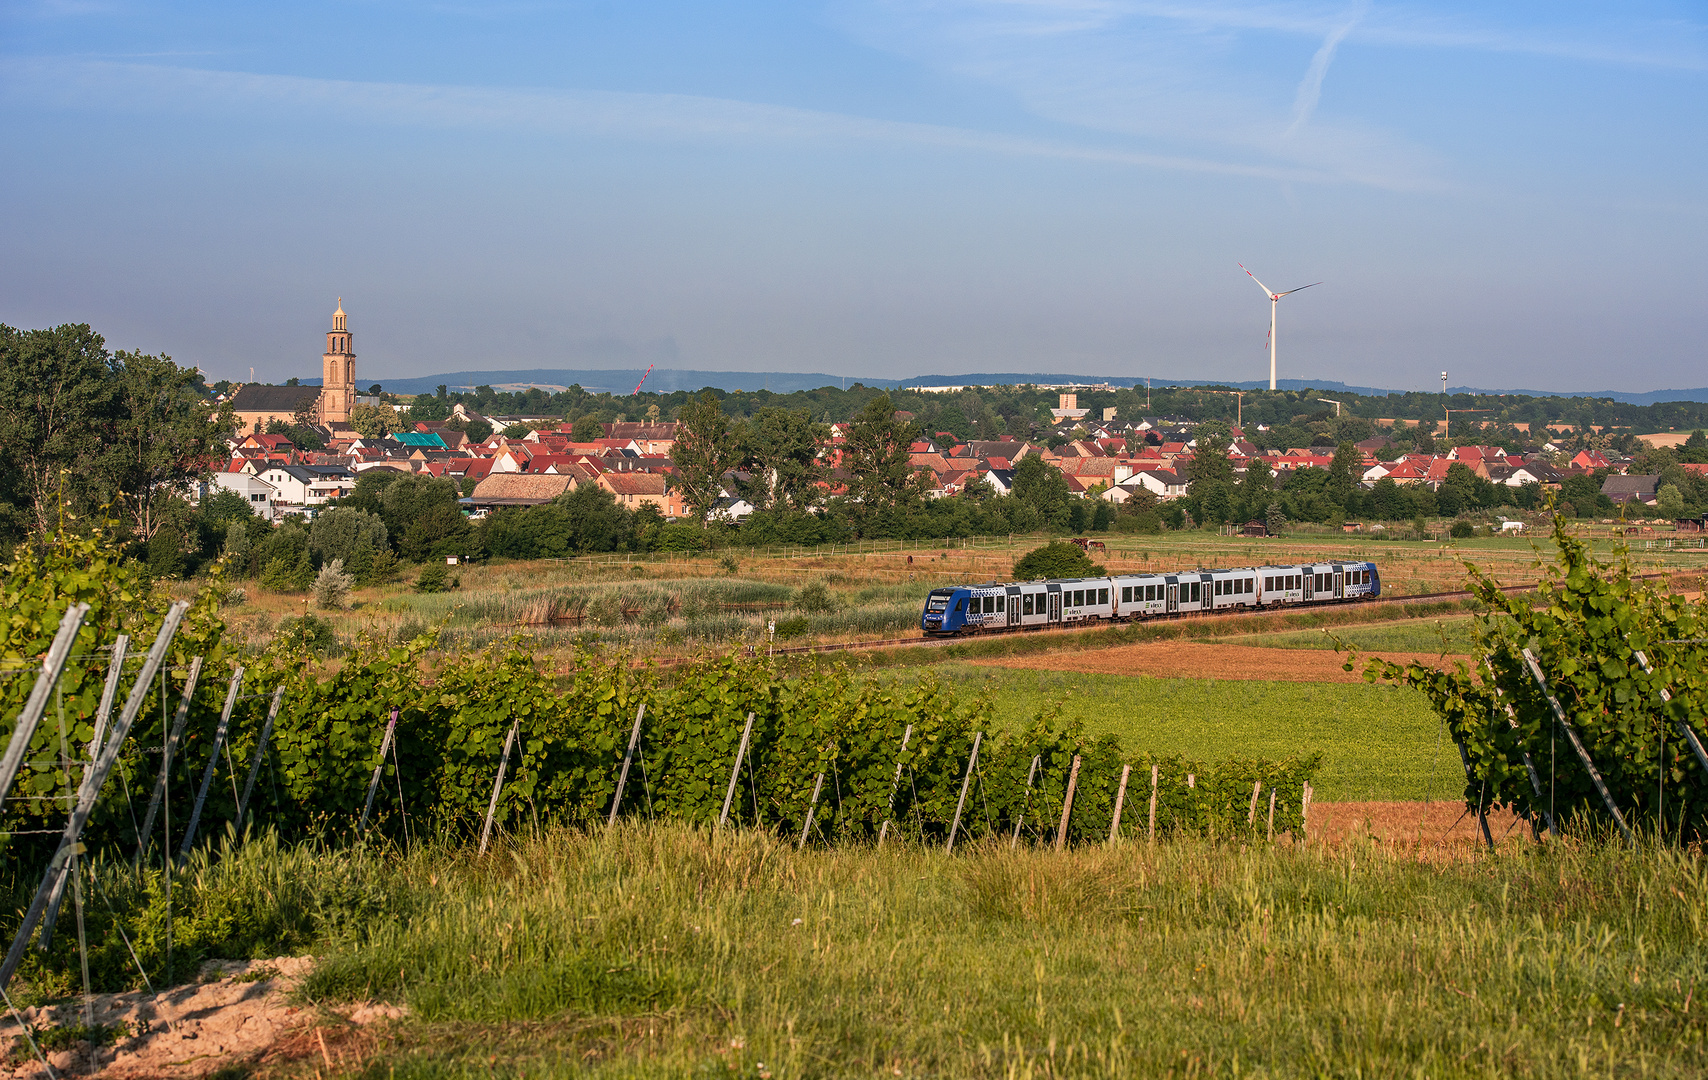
(1197, 660)
(1421, 823)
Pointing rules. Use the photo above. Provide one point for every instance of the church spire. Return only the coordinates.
(338, 316)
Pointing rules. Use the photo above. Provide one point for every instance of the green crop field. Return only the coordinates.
(1433, 636)
(1377, 742)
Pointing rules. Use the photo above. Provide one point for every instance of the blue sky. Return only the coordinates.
(882, 188)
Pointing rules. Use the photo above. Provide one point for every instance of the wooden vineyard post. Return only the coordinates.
(379, 769)
(1470, 775)
(1305, 811)
(498, 785)
(53, 666)
(895, 785)
(1529, 765)
(1031, 773)
(260, 754)
(1120, 800)
(818, 786)
(115, 668)
(94, 777)
(1251, 814)
(166, 755)
(1577, 744)
(1151, 829)
(1067, 803)
(213, 762)
(966, 782)
(628, 756)
(735, 772)
(1272, 814)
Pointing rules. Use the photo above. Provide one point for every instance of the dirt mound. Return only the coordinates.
(1198, 660)
(239, 1012)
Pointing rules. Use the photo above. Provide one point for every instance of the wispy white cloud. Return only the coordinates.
(570, 114)
(1311, 87)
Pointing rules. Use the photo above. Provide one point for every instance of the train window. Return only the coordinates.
(1079, 598)
(989, 604)
(1250, 584)
(1126, 594)
(1000, 601)
(961, 604)
(1102, 596)
(1198, 592)
(1026, 604)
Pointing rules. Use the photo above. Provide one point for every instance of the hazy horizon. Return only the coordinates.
(876, 188)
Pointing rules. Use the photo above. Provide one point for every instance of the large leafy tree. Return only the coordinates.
(1043, 487)
(124, 431)
(1210, 474)
(782, 447)
(706, 448)
(876, 457)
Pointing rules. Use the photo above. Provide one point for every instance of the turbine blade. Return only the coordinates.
(1301, 288)
(1260, 284)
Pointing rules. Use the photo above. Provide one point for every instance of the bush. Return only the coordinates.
(1461, 530)
(729, 565)
(682, 536)
(1058, 560)
(312, 633)
(814, 597)
(332, 586)
(277, 576)
(435, 578)
(793, 627)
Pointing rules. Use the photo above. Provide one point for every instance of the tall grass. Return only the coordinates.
(666, 951)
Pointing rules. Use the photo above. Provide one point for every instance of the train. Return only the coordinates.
(1000, 606)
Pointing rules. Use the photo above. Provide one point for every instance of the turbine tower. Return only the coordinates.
(1274, 299)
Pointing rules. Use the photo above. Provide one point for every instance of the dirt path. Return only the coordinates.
(1198, 660)
(239, 1013)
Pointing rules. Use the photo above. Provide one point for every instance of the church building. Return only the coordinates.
(328, 404)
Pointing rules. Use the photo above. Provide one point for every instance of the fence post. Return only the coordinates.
(1152, 829)
(166, 753)
(818, 785)
(115, 668)
(1529, 765)
(1251, 814)
(628, 756)
(1120, 799)
(735, 772)
(1067, 803)
(1577, 744)
(895, 785)
(1271, 814)
(966, 782)
(1021, 816)
(260, 754)
(379, 768)
(213, 761)
(1470, 775)
(498, 786)
(53, 666)
(93, 778)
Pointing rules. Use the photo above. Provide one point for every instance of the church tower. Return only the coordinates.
(338, 383)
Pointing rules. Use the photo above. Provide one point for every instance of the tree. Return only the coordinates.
(125, 430)
(1210, 474)
(585, 520)
(782, 447)
(438, 531)
(1670, 501)
(1344, 472)
(1043, 487)
(340, 531)
(588, 429)
(705, 449)
(373, 421)
(1055, 560)
(1257, 490)
(877, 457)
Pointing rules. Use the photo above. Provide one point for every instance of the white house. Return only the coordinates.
(259, 493)
(1163, 484)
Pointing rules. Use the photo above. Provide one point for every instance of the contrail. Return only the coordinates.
(1311, 86)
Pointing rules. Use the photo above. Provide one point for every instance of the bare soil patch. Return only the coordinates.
(1443, 822)
(239, 1013)
(1198, 660)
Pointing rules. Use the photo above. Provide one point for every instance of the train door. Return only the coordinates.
(1310, 581)
(1339, 584)
(1014, 608)
(1055, 606)
(1173, 598)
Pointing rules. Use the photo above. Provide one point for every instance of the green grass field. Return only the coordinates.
(1433, 636)
(1377, 742)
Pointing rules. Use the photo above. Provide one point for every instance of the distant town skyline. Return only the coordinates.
(878, 188)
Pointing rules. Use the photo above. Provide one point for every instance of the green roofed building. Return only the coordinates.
(425, 440)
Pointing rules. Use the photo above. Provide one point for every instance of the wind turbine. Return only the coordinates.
(1274, 299)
